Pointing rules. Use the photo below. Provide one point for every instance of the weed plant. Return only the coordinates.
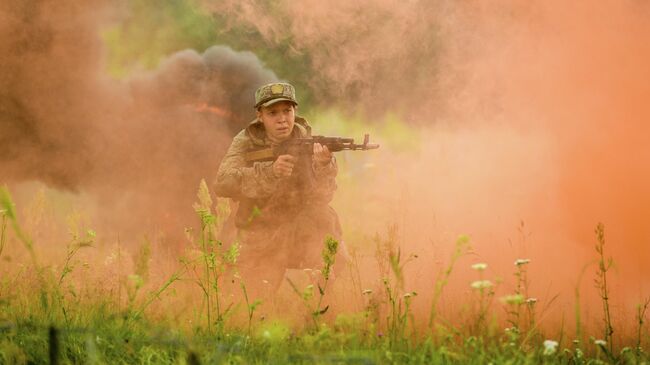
(604, 265)
(317, 311)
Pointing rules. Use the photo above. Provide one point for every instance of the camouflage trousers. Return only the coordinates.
(266, 252)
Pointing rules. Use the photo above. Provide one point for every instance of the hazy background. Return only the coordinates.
(489, 115)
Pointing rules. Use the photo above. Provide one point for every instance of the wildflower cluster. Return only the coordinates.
(481, 284)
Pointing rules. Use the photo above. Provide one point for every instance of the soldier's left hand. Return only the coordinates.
(322, 154)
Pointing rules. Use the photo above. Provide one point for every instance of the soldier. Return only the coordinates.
(283, 214)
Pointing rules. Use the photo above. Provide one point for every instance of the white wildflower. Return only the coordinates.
(550, 347)
(480, 266)
(265, 281)
(514, 299)
(600, 342)
(520, 262)
(513, 330)
(410, 294)
(481, 284)
(531, 301)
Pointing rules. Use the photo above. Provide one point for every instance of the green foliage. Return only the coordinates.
(3, 230)
(6, 205)
(153, 30)
(394, 134)
(329, 255)
(75, 244)
(214, 258)
(9, 212)
(391, 269)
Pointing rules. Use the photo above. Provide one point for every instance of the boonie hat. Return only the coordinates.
(272, 93)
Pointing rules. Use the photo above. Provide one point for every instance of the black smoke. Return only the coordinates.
(139, 146)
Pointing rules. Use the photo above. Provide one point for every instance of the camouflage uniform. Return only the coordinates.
(282, 222)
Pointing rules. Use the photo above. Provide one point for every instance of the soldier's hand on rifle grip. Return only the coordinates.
(322, 154)
(283, 165)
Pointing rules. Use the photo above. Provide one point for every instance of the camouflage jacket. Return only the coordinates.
(264, 198)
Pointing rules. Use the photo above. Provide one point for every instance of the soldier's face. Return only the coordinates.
(278, 120)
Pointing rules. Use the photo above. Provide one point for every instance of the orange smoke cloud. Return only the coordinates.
(531, 112)
(554, 94)
(578, 74)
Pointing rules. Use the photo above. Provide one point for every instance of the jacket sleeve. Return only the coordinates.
(325, 179)
(237, 180)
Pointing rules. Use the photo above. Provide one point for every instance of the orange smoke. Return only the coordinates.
(556, 95)
(533, 112)
(578, 73)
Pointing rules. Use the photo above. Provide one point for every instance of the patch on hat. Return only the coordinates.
(277, 89)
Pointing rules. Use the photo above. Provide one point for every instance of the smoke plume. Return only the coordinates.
(139, 146)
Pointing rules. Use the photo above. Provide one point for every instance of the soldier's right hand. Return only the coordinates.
(283, 165)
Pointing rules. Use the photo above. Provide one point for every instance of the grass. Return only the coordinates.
(56, 314)
(604, 265)
(317, 311)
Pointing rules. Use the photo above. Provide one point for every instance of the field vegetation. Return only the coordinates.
(90, 302)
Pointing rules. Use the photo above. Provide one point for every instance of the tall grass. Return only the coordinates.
(640, 319)
(461, 248)
(40, 304)
(391, 264)
(317, 311)
(215, 260)
(3, 230)
(604, 265)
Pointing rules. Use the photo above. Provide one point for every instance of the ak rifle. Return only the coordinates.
(305, 146)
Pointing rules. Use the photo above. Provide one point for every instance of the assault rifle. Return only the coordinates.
(305, 146)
